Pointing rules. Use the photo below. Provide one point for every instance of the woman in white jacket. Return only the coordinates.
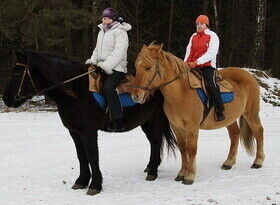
(110, 54)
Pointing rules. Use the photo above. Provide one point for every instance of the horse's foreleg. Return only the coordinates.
(180, 135)
(89, 138)
(155, 139)
(191, 148)
(233, 131)
(84, 177)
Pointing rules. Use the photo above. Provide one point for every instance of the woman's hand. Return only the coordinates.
(192, 64)
(107, 70)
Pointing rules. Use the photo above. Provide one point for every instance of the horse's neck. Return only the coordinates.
(176, 89)
(76, 89)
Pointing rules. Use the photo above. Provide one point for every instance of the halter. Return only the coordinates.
(157, 72)
(26, 70)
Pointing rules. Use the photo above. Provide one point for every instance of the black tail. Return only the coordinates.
(169, 136)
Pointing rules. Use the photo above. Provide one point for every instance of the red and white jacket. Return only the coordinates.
(203, 48)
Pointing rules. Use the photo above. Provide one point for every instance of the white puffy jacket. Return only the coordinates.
(110, 52)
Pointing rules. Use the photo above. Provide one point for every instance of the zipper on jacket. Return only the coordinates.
(102, 42)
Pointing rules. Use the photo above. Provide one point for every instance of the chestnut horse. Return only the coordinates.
(157, 69)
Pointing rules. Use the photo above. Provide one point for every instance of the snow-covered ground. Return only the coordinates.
(38, 165)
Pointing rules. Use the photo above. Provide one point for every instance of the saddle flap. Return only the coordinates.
(194, 78)
(96, 81)
(196, 81)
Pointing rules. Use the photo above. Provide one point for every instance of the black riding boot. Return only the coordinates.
(109, 89)
(220, 116)
(213, 92)
(116, 125)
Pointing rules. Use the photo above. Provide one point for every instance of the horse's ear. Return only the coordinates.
(160, 46)
(144, 47)
(155, 51)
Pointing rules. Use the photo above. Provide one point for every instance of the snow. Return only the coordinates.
(38, 165)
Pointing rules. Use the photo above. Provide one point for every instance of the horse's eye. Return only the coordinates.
(147, 68)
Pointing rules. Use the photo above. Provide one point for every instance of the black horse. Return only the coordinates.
(82, 116)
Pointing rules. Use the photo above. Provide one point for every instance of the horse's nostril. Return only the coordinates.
(137, 95)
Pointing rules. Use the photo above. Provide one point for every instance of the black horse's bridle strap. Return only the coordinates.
(26, 70)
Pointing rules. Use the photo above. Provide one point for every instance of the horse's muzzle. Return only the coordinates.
(138, 97)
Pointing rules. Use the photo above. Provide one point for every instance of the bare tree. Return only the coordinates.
(215, 5)
(259, 49)
(205, 7)
(170, 24)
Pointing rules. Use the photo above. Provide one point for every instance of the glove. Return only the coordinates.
(107, 71)
(192, 64)
(89, 62)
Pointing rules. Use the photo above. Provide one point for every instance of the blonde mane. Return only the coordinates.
(168, 59)
(173, 62)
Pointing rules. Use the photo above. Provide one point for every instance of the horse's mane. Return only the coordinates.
(56, 67)
(171, 60)
(174, 62)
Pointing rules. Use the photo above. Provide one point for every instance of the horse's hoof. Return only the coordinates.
(256, 166)
(151, 177)
(179, 178)
(147, 169)
(187, 181)
(78, 186)
(226, 167)
(93, 192)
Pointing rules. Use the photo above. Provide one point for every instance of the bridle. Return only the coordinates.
(148, 89)
(18, 96)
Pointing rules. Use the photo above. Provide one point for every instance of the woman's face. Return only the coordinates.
(106, 20)
(200, 26)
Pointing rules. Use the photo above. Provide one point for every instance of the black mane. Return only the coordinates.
(56, 68)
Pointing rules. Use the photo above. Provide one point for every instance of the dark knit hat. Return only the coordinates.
(110, 13)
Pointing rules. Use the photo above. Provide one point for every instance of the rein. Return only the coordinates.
(157, 72)
(26, 70)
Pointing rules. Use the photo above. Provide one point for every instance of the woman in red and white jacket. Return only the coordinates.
(201, 53)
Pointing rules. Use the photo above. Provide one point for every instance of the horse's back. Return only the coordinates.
(240, 78)
(244, 84)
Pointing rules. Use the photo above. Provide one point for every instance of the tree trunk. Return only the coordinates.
(259, 49)
(170, 25)
(137, 23)
(215, 6)
(205, 7)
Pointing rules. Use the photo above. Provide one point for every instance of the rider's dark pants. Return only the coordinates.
(213, 91)
(109, 89)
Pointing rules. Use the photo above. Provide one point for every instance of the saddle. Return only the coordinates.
(196, 81)
(96, 80)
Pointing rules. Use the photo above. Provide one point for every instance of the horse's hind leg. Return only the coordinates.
(254, 123)
(233, 131)
(155, 138)
(84, 177)
(180, 135)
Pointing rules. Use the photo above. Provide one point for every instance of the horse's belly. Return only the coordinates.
(233, 111)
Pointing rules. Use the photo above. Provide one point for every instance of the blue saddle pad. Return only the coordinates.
(225, 96)
(125, 99)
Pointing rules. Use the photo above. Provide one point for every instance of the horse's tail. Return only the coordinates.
(246, 137)
(169, 136)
